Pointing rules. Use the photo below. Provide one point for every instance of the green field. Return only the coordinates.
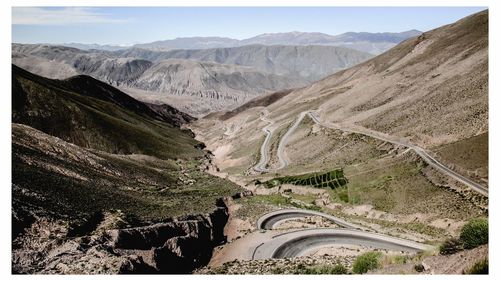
(332, 179)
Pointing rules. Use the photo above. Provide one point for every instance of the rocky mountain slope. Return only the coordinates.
(195, 81)
(78, 110)
(301, 63)
(89, 161)
(374, 43)
(430, 91)
(203, 87)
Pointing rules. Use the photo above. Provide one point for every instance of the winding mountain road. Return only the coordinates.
(281, 154)
(274, 243)
(420, 151)
(264, 151)
(299, 242)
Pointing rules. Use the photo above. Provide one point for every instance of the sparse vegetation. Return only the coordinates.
(139, 163)
(366, 262)
(396, 259)
(144, 191)
(468, 155)
(306, 198)
(254, 206)
(323, 269)
(451, 246)
(343, 195)
(398, 186)
(475, 233)
(74, 111)
(481, 267)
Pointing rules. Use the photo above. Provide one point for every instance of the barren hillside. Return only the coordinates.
(195, 81)
(431, 90)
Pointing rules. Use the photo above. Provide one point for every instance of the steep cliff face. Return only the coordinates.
(177, 246)
(173, 247)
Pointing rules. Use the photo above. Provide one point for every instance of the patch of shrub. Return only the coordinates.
(323, 269)
(343, 195)
(419, 267)
(480, 267)
(365, 262)
(451, 246)
(475, 233)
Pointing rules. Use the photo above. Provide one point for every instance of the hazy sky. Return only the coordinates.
(130, 25)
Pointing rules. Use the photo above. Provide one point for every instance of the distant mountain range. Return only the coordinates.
(301, 63)
(195, 81)
(200, 75)
(83, 46)
(374, 43)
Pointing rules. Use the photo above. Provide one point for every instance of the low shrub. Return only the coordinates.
(323, 269)
(480, 267)
(365, 262)
(419, 267)
(451, 246)
(475, 233)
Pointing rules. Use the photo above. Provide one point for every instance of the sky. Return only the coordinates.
(132, 25)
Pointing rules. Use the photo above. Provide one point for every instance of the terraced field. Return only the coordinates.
(332, 179)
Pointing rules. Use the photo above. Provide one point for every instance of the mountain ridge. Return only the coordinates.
(276, 38)
(222, 78)
(374, 43)
(92, 114)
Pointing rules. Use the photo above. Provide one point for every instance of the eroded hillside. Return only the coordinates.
(196, 81)
(89, 161)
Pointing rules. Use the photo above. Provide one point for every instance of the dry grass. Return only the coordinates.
(468, 156)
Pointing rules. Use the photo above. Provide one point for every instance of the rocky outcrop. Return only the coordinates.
(178, 246)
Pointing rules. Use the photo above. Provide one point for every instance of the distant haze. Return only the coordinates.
(374, 43)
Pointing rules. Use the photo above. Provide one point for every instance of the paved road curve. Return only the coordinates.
(281, 154)
(298, 243)
(273, 243)
(272, 219)
(264, 149)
